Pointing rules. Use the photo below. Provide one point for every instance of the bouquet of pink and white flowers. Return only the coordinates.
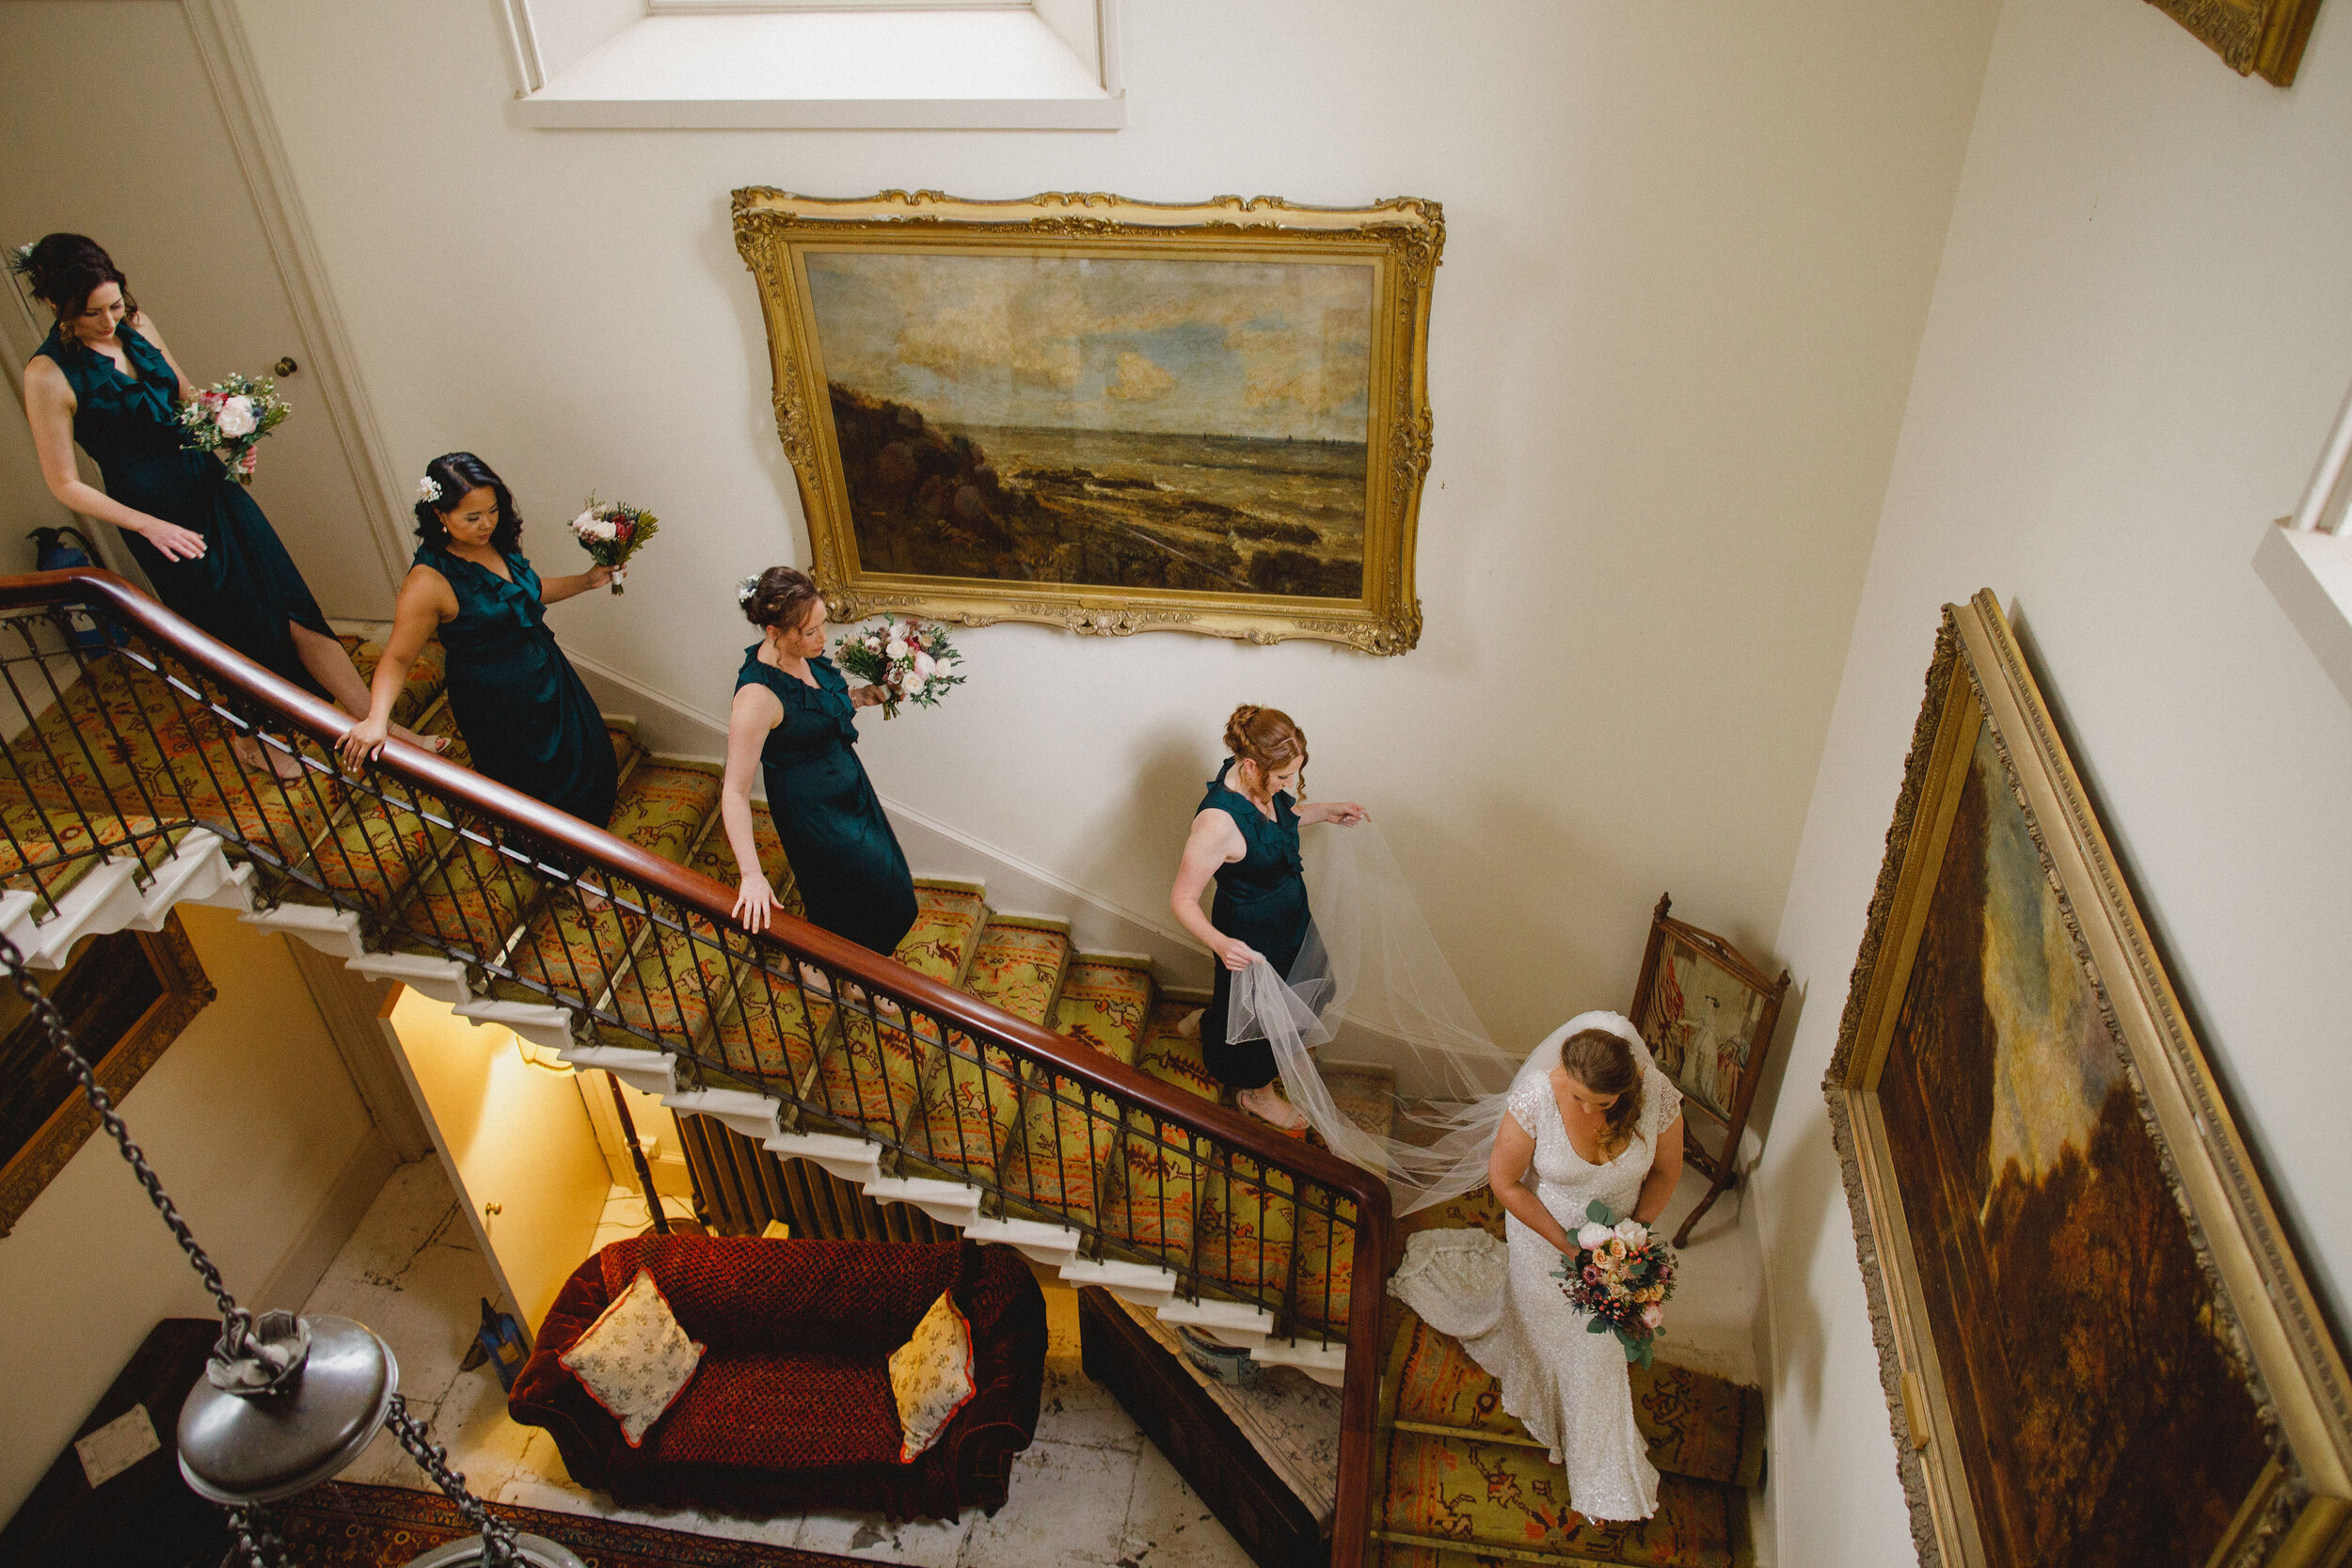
(611, 534)
(229, 418)
(907, 659)
(1622, 1275)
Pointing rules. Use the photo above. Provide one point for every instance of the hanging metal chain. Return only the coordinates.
(237, 1323)
(498, 1536)
(259, 1541)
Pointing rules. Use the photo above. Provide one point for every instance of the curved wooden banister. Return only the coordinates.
(290, 707)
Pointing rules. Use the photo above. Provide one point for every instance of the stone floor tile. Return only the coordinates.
(1066, 1509)
(914, 1543)
(1168, 1525)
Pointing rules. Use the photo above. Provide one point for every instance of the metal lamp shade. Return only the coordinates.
(531, 1551)
(241, 1448)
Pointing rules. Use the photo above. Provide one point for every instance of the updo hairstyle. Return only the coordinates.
(1605, 1063)
(1266, 737)
(781, 596)
(64, 269)
(457, 473)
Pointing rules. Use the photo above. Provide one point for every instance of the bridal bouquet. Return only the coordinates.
(908, 659)
(229, 418)
(611, 534)
(1622, 1275)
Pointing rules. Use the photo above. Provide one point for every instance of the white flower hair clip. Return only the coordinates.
(428, 489)
(744, 590)
(21, 260)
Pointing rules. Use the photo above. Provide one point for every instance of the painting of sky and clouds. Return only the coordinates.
(1107, 421)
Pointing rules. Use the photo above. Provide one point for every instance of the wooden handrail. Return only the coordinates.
(298, 709)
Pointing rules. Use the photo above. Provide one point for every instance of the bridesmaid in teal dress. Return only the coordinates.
(104, 378)
(1245, 837)
(792, 716)
(521, 709)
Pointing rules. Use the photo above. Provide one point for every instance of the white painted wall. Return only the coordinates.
(2141, 329)
(254, 1126)
(1689, 250)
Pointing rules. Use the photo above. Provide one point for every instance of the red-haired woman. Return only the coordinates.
(1245, 837)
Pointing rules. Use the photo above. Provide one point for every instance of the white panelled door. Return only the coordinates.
(115, 132)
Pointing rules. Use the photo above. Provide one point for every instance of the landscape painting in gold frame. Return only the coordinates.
(1106, 414)
(2097, 1345)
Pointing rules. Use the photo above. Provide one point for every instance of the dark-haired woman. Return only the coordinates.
(520, 707)
(1245, 836)
(793, 717)
(104, 378)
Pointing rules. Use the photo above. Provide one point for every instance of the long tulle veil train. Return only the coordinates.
(1370, 986)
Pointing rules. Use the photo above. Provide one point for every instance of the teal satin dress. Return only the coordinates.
(526, 718)
(1262, 899)
(853, 875)
(244, 590)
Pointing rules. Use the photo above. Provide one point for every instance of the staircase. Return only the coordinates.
(994, 1077)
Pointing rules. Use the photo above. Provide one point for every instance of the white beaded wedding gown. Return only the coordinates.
(1569, 1386)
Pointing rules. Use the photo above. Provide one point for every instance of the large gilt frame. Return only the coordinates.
(184, 991)
(2299, 1512)
(1401, 238)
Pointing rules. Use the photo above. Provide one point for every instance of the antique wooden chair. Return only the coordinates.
(1709, 1015)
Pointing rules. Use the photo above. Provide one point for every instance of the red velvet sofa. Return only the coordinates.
(791, 1408)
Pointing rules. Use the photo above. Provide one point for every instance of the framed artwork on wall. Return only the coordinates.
(1709, 1015)
(127, 996)
(1106, 414)
(2096, 1342)
(2255, 38)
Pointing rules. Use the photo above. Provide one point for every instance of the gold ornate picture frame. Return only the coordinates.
(127, 995)
(1106, 414)
(2255, 38)
(2096, 1342)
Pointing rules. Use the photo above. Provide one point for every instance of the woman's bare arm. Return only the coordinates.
(425, 601)
(1666, 1170)
(1506, 1172)
(49, 407)
(753, 713)
(1214, 841)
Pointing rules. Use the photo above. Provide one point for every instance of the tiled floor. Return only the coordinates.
(1089, 1493)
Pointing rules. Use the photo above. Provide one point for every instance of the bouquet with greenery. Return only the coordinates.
(229, 418)
(1622, 1275)
(611, 534)
(907, 659)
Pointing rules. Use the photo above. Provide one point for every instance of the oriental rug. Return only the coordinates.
(343, 1524)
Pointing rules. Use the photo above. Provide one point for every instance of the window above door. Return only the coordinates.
(815, 64)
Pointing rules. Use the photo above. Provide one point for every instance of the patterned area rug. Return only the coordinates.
(345, 1526)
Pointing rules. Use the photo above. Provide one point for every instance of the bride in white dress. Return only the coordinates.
(1589, 1116)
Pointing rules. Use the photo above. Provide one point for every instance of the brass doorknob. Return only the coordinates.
(285, 366)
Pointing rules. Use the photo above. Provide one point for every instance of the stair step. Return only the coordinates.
(1477, 1496)
(1019, 964)
(426, 677)
(682, 980)
(1106, 1003)
(948, 917)
(1696, 1424)
(663, 808)
(967, 1103)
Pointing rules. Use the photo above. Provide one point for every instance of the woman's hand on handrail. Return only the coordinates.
(364, 741)
(755, 902)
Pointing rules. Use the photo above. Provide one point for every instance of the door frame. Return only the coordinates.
(236, 83)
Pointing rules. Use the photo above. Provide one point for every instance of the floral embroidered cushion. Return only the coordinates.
(931, 1376)
(635, 1360)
